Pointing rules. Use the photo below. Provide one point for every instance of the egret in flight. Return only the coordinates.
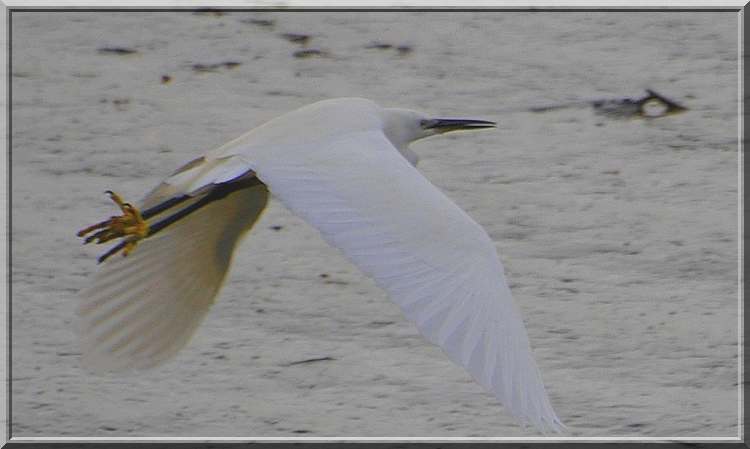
(345, 167)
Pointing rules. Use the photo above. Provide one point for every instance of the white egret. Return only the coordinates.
(345, 167)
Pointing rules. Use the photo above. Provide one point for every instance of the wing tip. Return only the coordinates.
(97, 360)
(544, 424)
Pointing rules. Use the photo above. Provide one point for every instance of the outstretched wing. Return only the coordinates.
(141, 309)
(435, 262)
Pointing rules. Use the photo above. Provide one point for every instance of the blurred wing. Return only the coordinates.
(141, 309)
(436, 263)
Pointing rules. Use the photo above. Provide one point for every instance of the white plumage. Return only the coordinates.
(344, 167)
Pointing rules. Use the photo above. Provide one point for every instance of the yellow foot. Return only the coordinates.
(130, 226)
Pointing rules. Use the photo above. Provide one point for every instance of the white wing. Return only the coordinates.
(436, 263)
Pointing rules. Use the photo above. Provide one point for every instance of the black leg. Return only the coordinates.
(161, 207)
(218, 192)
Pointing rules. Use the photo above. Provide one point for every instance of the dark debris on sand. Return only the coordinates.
(215, 67)
(297, 38)
(121, 51)
(265, 23)
(310, 53)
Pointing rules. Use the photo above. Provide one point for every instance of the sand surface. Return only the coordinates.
(619, 237)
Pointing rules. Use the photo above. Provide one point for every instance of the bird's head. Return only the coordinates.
(404, 126)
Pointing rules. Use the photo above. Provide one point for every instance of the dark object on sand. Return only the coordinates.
(205, 67)
(652, 105)
(316, 359)
(379, 46)
(215, 67)
(259, 22)
(402, 50)
(121, 104)
(117, 50)
(165, 79)
(296, 38)
(310, 52)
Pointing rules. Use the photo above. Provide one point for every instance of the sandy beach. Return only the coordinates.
(619, 237)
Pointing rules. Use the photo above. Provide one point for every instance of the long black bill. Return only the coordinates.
(455, 124)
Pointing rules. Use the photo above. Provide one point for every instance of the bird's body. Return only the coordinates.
(345, 167)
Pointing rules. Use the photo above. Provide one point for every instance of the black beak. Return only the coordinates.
(455, 124)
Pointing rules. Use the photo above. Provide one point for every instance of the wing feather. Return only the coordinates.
(141, 309)
(435, 262)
